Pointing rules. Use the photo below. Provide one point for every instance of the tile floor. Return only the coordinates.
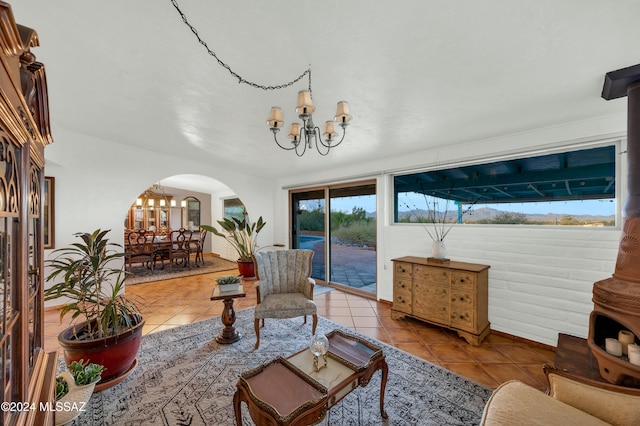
(170, 303)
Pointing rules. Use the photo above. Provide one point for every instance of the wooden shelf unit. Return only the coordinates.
(449, 294)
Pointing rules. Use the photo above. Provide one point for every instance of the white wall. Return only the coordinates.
(97, 180)
(541, 278)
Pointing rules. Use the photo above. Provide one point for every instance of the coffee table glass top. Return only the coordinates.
(352, 349)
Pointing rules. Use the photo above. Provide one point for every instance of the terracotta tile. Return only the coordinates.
(338, 303)
(485, 354)
(359, 303)
(449, 352)
(521, 353)
(388, 322)
(536, 374)
(494, 338)
(434, 335)
(342, 311)
(346, 321)
(182, 319)
(377, 333)
(402, 335)
(472, 371)
(157, 318)
(363, 312)
(366, 322)
(504, 372)
(417, 349)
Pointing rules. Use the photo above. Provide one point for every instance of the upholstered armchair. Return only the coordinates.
(284, 287)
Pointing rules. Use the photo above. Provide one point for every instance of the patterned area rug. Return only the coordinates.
(185, 378)
(211, 264)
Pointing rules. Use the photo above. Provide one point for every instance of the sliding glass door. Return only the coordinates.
(350, 258)
(308, 227)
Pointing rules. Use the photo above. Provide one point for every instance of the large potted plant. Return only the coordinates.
(242, 235)
(107, 326)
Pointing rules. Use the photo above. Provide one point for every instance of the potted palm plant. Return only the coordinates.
(107, 326)
(242, 235)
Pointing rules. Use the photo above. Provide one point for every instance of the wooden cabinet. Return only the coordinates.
(451, 294)
(28, 374)
(151, 211)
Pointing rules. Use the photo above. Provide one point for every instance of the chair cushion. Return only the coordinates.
(516, 403)
(599, 400)
(285, 305)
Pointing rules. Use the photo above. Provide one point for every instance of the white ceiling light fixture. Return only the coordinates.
(303, 135)
(309, 133)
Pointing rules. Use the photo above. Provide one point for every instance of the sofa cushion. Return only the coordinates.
(516, 403)
(286, 305)
(614, 404)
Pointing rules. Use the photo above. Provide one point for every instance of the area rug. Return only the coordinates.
(211, 264)
(185, 378)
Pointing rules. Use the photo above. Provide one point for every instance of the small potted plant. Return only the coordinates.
(241, 234)
(228, 282)
(74, 388)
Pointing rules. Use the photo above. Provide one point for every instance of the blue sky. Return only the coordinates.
(591, 207)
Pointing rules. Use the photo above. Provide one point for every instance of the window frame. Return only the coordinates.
(618, 144)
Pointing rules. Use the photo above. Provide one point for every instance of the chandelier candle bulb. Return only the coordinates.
(275, 118)
(626, 338)
(613, 346)
(330, 130)
(305, 104)
(294, 131)
(342, 113)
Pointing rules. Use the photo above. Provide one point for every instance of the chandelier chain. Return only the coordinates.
(228, 68)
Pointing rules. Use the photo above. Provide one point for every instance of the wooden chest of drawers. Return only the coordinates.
(452, 295)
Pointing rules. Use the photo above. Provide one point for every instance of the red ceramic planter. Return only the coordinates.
(117, 353)
(246, 268)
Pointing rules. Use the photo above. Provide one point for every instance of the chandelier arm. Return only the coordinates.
(344, 132)
(278, 143)
(318, 138)
(228, 68)
(304, 142)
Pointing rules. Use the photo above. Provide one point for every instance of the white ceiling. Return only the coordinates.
(417, 74)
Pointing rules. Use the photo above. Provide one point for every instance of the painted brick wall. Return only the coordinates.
(541, 278)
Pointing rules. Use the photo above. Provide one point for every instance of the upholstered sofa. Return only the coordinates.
(571, 401)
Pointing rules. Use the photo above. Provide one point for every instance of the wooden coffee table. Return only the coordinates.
(229, 333)
(287, 391)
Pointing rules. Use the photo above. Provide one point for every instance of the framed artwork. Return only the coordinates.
(49, 212)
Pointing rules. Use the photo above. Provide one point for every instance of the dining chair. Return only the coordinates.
(140, 248)
(198, 245)
(284, 287)
(180, 249)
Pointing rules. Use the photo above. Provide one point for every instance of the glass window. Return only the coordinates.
(567, 188)
(233, 207)
(191, 218)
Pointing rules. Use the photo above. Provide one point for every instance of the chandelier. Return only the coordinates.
(305, 135)
(155, 196)
(308, 134)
